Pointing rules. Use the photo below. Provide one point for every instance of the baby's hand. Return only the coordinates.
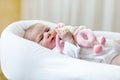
(66, 35)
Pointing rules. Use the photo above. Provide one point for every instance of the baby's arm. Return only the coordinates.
(66, 35)
(116, 60)
(71, 50)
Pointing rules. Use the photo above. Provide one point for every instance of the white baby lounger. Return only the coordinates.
(22, 59)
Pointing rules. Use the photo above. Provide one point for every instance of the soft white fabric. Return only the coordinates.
(25, 60)
(110, 50)
(70, 50)
(108, 34)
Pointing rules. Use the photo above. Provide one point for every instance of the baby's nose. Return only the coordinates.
(47, 35)
(50, 34)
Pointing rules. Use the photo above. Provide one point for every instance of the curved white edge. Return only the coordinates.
(24, 60)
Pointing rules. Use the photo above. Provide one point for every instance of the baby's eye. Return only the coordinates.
(41, 37)
(47, 30)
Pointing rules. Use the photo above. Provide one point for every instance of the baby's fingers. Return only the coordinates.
(60, 25)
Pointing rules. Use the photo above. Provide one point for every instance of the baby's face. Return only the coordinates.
(42, 35)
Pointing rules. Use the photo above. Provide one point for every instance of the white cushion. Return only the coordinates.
(25, 60)
(108, 34)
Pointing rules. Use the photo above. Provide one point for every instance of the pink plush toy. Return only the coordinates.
(85, 38)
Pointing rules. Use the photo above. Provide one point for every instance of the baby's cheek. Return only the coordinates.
(43, 44)
(48, 45)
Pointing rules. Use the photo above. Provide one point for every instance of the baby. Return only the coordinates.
(46, 36)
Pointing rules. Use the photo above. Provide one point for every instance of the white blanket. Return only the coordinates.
(25, 60)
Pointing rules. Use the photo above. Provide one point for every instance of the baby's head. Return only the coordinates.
(41, 34)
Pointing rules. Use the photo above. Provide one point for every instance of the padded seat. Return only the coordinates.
(22, 59)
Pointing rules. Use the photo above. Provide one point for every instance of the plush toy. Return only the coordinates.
(84, 37)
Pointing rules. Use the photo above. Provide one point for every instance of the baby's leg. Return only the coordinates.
(118, 41)
(116, 60)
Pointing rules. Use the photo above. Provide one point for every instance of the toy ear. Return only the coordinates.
(97, 48)
(102, 40)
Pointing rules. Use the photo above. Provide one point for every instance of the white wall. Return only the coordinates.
(96, 14)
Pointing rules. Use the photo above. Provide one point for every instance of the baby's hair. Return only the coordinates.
(28, 31)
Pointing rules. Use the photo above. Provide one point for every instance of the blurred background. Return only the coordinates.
(10, 11)
(95, 14)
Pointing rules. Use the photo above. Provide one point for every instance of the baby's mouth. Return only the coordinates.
(53, 39)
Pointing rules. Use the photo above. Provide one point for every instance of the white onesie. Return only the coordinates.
(110, 50)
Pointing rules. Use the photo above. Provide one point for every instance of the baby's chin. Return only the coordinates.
(50, 47)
